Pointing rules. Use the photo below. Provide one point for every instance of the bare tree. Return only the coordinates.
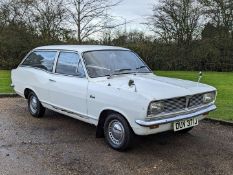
(48, 18)
(220, 12)
(89, 16)
(13, 11)
(175, 20)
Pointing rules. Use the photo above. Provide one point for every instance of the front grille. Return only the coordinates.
(182, 103)
(196, 100)
(175, 104)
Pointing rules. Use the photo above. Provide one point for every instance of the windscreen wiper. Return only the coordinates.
(121, 70)
(117, 71)
(141, 67)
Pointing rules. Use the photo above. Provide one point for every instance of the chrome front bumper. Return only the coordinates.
(160, 121)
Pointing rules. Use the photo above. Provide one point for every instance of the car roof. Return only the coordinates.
(79, 48)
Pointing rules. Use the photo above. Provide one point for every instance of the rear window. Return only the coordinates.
(41, 59)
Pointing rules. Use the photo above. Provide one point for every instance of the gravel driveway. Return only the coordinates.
(57, 144)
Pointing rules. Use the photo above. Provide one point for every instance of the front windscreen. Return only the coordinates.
(109, 62)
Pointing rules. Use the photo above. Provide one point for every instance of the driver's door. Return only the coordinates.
(68, 85)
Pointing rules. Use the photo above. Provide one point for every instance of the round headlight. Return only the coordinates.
(155, 108)
(208, 97)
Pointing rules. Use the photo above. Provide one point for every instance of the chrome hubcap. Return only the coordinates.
(33, 104)
(116, 132)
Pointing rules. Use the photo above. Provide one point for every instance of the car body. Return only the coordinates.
(92, 83)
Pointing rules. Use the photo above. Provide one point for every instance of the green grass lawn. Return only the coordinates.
(221, 80)
(5, 82)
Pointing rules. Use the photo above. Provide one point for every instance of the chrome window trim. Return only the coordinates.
(36, 68)
(52, 72)
(150, 71)
(56, 61)
(37, 50)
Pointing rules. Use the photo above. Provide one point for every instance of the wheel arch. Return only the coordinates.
(102, 117)
(27, 91)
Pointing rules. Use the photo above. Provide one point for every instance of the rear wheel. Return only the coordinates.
(34, 106)
(117, 131)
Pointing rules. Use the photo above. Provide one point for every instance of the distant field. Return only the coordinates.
(222, 81)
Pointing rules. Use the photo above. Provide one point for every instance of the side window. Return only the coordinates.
(69, 63)
(41, 59)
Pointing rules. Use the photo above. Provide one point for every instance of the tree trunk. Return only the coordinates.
(79, 23)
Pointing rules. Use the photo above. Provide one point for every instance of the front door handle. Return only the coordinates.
(52, 80)
(92, 96)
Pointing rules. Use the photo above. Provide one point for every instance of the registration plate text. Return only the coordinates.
(183, 124)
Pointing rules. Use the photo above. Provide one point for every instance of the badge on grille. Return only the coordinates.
(187, 101)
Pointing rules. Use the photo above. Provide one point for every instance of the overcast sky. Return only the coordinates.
(135, 11)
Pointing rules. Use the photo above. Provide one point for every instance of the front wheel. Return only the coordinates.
(34, 106)
(118, 133)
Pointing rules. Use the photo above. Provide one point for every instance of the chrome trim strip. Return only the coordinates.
(69, 112)
(178, 117)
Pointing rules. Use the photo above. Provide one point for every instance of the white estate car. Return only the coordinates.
(112, 88)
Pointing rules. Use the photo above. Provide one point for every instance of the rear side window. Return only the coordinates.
(69, 63)
(41, 59)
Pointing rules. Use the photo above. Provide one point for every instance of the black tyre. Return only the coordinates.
(34, 106)
(118, 134)
(184, 131)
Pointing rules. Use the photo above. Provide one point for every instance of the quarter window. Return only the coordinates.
(69, 64)
(41, 59)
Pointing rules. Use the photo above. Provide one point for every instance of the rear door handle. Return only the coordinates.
(52, 80)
